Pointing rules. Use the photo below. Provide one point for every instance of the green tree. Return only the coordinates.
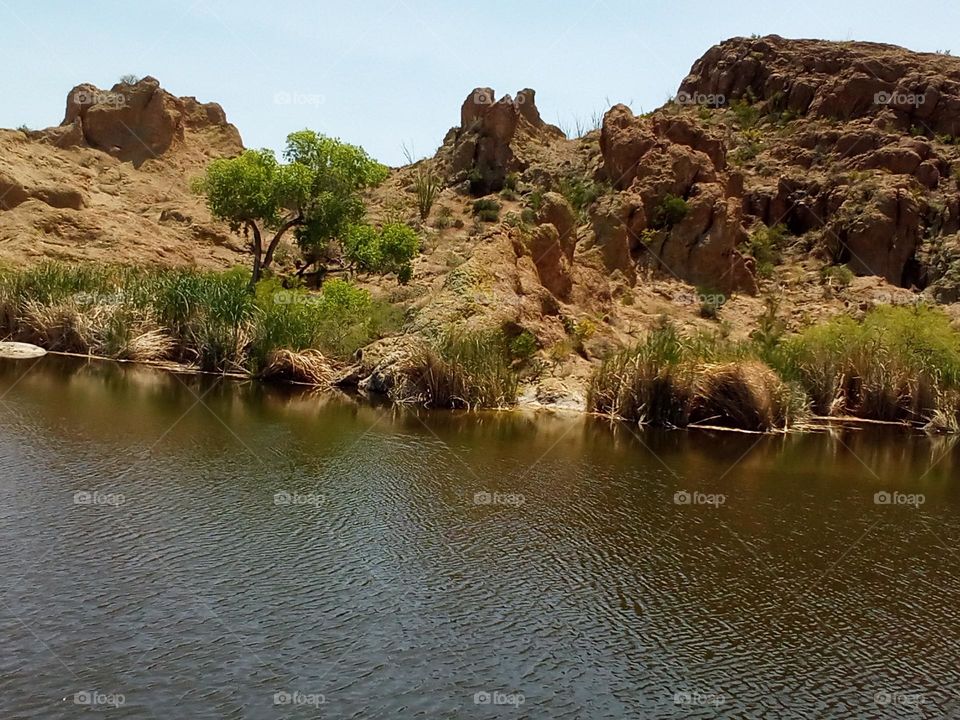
(316, 194)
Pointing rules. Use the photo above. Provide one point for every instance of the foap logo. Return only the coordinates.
(699, 98)
(286, 97)
(282, 497)
(696, 299)
(283, 697)
(886, 698)
(899, 99)
(898, 498)
(289, 297)
(94, 698)
(496, 697)
(95, 497)
(482, 97)
(86, 298)
(96, 97)
(485, 497)
(696, 698)
(685, 497)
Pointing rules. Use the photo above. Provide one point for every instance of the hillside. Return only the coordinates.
(788, 180)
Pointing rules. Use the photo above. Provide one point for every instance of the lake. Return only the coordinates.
(178, 546)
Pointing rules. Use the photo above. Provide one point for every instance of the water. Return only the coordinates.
(394, 583)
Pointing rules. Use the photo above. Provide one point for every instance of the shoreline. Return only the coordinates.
(811, 425)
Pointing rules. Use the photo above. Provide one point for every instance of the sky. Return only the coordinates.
(392, 74)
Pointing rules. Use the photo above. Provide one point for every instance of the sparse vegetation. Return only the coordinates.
(427, 187)
(837, 275)
(766, 247)
(899, 363)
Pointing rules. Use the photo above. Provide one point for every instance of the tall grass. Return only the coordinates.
(207, 319)
(669, 380)
(465, 370)
(899, 363)
(896, 364)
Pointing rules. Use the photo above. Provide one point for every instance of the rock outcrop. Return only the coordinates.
(656, 162)
(839, 80)
(104, 184)
(494, 139)
(864, 147)
(139, 121)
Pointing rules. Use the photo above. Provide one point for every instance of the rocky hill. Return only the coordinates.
(788, 180)
(111, 182)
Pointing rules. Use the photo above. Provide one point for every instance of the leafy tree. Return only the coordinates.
(316, 194)
(387, 250)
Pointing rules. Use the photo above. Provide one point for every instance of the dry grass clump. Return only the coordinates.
(671, 381)
(748, 395)
(309, 367)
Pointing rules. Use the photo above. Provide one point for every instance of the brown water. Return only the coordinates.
(395, 584)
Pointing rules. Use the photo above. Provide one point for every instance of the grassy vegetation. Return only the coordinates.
(426, 186)
(670, 380)
(209, 320)
(897, 364)
(465, 370)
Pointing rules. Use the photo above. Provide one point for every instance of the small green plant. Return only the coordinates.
(581, 192)
(443, 218)
(129, 79)
(523, 346)
(671, 211)
(766, 246)
(486, 209)
(511, 181)
(745, 113)
(837, 275)
(711, 301)
(426, 186)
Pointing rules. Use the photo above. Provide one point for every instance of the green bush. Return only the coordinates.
(486, 209)
(465, 370)
(669, 212)
(766, 246)
(899, 363)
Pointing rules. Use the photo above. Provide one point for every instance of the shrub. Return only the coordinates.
(766, 247)
(899, 363)
(669, 212)
(486, 209)
(581, 192)
(672, 381)
(839, 275)
(746, 114)
(710, 302)
(523, 346)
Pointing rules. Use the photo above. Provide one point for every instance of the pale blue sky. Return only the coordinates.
(381, 73)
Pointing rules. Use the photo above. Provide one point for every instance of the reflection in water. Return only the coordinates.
(420, 563)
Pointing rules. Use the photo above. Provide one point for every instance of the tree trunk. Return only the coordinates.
(257, 254)
(268, 258)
